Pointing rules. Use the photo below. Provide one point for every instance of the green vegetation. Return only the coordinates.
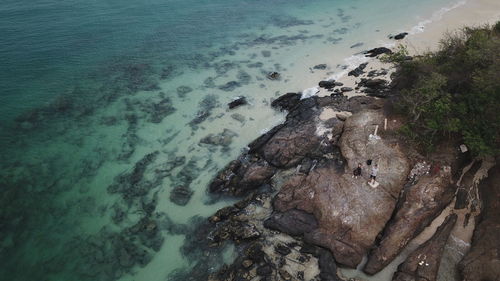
(454, 92)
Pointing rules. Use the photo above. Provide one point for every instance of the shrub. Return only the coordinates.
(455, 90)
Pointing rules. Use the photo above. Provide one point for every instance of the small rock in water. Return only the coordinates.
(346, 89)
(238, 117)
(327, 84)
(320, 66)
(399, 36)
(183, 90)
(237, 102)
(181, 195)
(273, 75)
(230, 86)
(266, 54)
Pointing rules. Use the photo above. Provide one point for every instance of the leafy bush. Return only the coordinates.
(455, 90)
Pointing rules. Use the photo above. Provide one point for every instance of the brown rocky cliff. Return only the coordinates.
(482, 263)
(350, 212)
(424, 262)
(422, 203)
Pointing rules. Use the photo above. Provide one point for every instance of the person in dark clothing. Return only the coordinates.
(357, 171)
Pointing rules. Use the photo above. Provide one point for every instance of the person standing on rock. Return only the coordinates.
(373, 174)
(357, 172)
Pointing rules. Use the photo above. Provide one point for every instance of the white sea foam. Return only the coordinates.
(420, 27)
(351, 63)
(307, 93)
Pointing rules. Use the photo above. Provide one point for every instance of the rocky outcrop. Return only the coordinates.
(350, 213)
(421, 204)
(304, 139)
(294, 222)
(358, 70)
(482, 263)
(377, 51)
(287, 101)
(242, 176)
(423, 263)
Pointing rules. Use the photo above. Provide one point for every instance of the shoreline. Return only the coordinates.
(426, 36)
(427, 40)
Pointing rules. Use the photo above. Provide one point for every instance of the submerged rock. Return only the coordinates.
(424, 262)
(181, 195)
(320, 66)
(182, 91)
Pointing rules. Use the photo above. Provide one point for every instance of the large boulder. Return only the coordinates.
(357, 147)
(421, 204)
(482, 262)
(350, 213)
(423, 263)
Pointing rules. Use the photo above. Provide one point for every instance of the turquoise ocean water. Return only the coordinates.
(105, 108)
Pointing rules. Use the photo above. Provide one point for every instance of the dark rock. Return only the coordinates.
(237, 102)
(327, 266)
(421, 204)
(327, 84)
(346, 89)
(378, 51)
(282, 249)
(358, 70)
(377, 84)
(242, 176)
(293, 222)
(375, 87)
(264, 270)
(320, 66)
(273, 75)
(399, 36)
(287, 101)
(423, 263)
(181, 195)
(238, 117)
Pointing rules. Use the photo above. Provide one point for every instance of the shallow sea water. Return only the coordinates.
(104, 105)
